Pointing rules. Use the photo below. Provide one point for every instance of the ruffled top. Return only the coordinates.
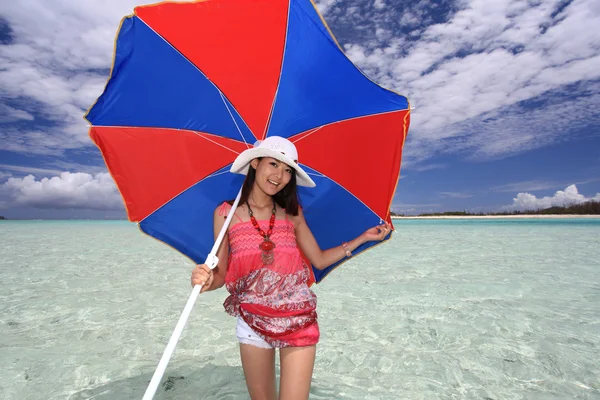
(275, 299)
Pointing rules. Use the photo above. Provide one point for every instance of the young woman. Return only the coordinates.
(261, 265)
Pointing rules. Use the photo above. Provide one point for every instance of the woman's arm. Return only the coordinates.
(321, 259)
(217, 275)
(223, 253)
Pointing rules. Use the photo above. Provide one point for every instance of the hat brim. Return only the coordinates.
(242, 164)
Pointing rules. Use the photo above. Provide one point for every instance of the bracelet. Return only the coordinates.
(346, 249)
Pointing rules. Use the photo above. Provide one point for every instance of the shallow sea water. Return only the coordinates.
(448, 309)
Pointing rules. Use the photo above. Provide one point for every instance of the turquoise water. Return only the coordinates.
(448, 309)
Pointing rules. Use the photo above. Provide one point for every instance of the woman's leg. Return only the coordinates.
(297, 365)
(259, 370)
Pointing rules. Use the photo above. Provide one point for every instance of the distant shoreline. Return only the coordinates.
(395, 217)
(519, 216)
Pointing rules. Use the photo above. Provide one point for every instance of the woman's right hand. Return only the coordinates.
(202, 275)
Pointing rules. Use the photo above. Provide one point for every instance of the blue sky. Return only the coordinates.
(506, 96)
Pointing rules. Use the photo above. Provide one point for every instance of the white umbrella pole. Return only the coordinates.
(211, 261)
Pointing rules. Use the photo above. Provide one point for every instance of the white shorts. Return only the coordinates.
(246, 335)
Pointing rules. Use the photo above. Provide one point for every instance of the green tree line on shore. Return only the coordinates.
(587, 208)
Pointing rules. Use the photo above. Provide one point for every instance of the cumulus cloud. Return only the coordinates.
(567, 197)
(67, 191)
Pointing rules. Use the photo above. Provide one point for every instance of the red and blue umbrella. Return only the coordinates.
(194, 84)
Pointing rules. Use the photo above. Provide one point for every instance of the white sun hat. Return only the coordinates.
(275, 147)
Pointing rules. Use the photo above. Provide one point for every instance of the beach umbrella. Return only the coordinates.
(194, 84)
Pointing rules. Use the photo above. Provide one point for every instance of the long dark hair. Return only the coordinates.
(287, 198)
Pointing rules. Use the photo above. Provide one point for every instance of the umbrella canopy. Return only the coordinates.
(194, 84)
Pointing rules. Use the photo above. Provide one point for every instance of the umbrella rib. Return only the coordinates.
(298, 137)
(349, 192)
(341, 51)
(308, 134)
(303, 135)
(202, 135)
(345, 55)
(233, 119)
(203, 74)
(213, 142)
(217, 174)
(187, 188)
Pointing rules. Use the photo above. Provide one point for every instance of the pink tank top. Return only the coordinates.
(275, 300)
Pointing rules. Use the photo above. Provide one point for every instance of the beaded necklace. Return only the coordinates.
(267, 245)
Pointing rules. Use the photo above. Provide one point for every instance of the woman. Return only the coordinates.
(261, 265)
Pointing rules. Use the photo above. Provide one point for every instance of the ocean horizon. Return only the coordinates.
(447, 309)
(394, 217)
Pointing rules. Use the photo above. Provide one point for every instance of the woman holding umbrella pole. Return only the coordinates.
(261, 265)
(192, 84)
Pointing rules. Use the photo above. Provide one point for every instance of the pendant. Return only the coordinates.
(267, 245)
(267, 257)
(267, 251)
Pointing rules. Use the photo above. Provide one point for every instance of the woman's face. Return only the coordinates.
(271, 175)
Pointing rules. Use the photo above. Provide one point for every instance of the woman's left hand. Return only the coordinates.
(377, 233)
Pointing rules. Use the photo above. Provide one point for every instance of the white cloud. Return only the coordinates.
(67, 191)
(536, 185)
(4, 175)
(11, 114)
(404, 208)
(37, 141)
(482, 61)
(456, 195)
(410, 19)
(379, 4)
(59, 59)
(486, 59)
(424, 167)
(77, 167)
(570, 196)
(325, 5)
(525, 186)
(30, 170)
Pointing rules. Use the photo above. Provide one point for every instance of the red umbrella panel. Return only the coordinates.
(194, 84)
